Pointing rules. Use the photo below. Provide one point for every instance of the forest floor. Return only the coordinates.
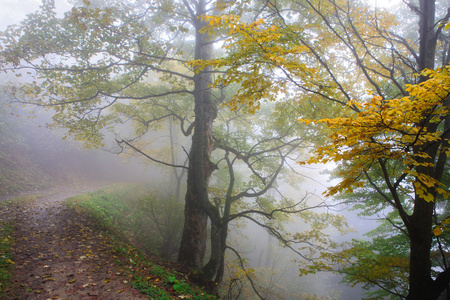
(60, 254)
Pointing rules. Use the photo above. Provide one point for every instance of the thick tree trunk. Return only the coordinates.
(427, 40)
(193, 241)
(421, 285)
(420, 232)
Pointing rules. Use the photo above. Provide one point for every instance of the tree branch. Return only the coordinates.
(121, 141)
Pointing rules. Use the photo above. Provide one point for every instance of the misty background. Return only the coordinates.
(38, 155)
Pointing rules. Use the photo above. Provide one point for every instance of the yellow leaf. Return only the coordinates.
(428, 197)
(437, 231)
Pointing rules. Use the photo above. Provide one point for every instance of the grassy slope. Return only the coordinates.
(19, 172)
(114, 210)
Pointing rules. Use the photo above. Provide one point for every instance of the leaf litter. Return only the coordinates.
(59, 254)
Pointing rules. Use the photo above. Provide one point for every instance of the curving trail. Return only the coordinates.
(60, 255)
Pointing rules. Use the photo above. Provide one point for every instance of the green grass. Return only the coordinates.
(124, 210)
(133, 211)
(153, 280)
(151, 291)
(111, 207)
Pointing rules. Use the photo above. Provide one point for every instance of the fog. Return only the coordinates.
(68, 161)
(13, 11)
(263, 251)
(71, 164)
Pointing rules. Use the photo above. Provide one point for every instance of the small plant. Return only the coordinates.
(152, 291)
(157, 270)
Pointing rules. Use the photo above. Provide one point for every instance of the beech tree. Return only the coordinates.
(376, 146)
(390, 95)
(95, 56)
(104, 54)
(107, 64)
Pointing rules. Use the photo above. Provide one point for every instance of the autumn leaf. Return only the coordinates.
(437, 231)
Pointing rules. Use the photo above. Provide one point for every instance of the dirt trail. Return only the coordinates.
(60, 255)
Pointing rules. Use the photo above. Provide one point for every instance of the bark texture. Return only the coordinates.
(193, 242)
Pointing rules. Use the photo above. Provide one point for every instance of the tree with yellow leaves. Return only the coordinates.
(121, 68)
(378, 92)
(392, 137)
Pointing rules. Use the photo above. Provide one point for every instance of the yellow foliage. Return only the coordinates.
(363, 265)
(261, 48)
(390, 129)
(438, 231)
(263, 59)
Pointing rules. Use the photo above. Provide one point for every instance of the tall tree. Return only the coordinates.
(102, 53)
(333, 52)
(200, 165)
(109, 63)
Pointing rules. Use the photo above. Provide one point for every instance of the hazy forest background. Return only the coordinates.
(199, 102)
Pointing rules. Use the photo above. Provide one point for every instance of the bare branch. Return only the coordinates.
(121, 141)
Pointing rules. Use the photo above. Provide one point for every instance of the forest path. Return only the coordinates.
(59, 254)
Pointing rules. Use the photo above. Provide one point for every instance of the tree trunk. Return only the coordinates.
(427, 40)
(193, 241)
(421, 285)
(213, 270)
(420, 233)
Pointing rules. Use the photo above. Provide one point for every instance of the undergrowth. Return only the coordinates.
(123, 211)
(154, 223)
(153, 280)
